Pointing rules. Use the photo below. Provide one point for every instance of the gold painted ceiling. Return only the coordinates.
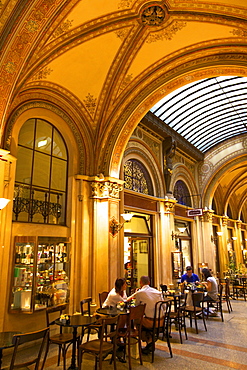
(106, 63)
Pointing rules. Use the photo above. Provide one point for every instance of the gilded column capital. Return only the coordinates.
(225, 220)
(169, 205)
(106, 189)
(239, 224)
(208, 215)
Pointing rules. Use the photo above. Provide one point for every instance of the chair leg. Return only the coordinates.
(129, 353)
(168, 342)
(204, 322)
(196, 323)
(45, 356)
(140, 348)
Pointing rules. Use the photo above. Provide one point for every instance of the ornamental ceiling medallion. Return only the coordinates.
(153, 15)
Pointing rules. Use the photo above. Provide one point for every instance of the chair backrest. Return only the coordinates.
(102, 298)
(25, 338)
(87, 302)
(49, 313)
(163, 287)
(137, 313)
(109, 329)
(180, 301)
(197, 297)
(161, 317)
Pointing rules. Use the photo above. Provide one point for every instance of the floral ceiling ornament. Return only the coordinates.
(90, 103)
(42, 75)
(166, 34)
(153, 16)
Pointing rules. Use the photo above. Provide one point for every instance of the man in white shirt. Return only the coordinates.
(150, 296)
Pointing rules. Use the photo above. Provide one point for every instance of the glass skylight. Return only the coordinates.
(206, 112)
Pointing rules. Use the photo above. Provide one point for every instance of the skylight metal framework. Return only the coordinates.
(208, 111)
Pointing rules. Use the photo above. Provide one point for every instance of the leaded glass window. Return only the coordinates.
(41, 174)
(181, 193)
(136, 177)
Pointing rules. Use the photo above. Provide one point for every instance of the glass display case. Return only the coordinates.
(40, 274)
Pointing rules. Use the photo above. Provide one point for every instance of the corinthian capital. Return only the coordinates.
(106, 189)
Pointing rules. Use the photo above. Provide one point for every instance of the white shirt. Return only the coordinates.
(213, 293)
(113, 298)
(150, 296)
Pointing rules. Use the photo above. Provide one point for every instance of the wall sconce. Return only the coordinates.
(116, 226)
(3, 202)
(219, 233)
(176, 235)
(214, 237)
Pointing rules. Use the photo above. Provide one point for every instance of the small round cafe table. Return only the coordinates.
(75, 322)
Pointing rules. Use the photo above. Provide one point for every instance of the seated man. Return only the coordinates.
(150, 296)
(189, 276)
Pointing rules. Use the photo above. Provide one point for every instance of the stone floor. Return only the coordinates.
(223, 346)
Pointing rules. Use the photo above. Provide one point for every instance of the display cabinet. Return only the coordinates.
(40, 273)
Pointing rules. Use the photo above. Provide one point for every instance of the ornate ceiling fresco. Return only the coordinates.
(103, 65)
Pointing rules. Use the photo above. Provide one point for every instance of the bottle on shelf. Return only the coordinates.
(23, 256)
(17, 257)
(43, 256)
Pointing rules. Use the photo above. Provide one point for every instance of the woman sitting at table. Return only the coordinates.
(211, 286)
(117, 294)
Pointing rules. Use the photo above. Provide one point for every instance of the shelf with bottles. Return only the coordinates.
(41, 273)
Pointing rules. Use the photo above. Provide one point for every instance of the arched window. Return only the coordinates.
(136, 177)
(181, 193)
(41, 174)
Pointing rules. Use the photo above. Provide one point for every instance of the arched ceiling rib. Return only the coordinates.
(206, 112)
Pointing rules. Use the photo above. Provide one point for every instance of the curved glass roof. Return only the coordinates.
(208, 111)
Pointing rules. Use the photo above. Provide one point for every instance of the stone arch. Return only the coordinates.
(142, 154)
(215, 178)
(54, 115)
(180, 172)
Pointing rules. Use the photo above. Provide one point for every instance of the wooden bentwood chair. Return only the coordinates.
(63, 340)
(36, 355)
(161, 322)
(102, 298)
(177, 316)
(130, 333)
(218, 303)
(86, 302)
(195, 310)
(106, 344)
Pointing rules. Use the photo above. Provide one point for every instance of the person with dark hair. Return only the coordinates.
(189, 276)
(150, 296)
(117, 294)
(211, 285)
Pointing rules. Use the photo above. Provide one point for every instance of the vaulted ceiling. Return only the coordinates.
(102, 65)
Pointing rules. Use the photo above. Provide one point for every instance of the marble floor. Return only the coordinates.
(222, 347)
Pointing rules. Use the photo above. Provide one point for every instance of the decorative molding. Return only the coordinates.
(239, 224)
(62, 28)
(106, 189)
(208, 215)
(127, 80)
(169, 205)
(225, 220)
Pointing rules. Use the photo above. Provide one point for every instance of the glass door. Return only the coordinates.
(136, 261)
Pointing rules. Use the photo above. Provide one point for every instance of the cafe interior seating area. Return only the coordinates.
(123, 153)
(116, 327)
